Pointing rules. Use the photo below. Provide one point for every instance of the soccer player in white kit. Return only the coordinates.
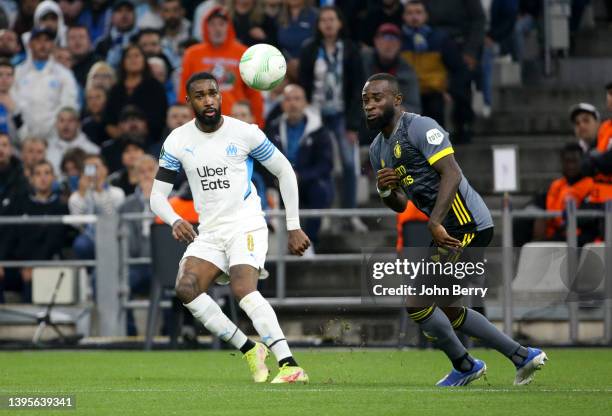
(217, 154)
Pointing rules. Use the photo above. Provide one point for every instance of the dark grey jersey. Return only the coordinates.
(415, 145)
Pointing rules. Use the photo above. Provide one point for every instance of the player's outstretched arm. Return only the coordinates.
(279, 166)
(450, 178)
(162, 186)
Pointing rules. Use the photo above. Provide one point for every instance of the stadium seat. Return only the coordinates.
(539, 272)
(591, 271)
(44, 281)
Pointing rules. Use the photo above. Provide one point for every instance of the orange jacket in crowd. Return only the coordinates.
(184, 208)
(411, 213)
(558, 193)
(603, 182)
(222, 62)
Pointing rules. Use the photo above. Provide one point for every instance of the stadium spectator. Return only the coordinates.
(432, 55)
(300, 135)
(132, 127)
(33, 151)
(200, 13)
(598, 162)
(68, 135)
(48, 15)
(272, 9)
(97, 17)
(25, 17)
(10, 47)
(123, 28)
(297, 22)
(37, 241)
(176, 29)
(252, 25)
(499, 41)
(529, 18)
(42, 86)
(10, 115)
(586, 120)
(604, 135)
(13, 184)
(94, 196)
(149, 41)
(148, 15)
(92, 123)
(145, 168)
(387, 11)
(464, 21)
(136, 86)
(126, 178)
(71, 168)
(63, 56)
(331, 73)
(385, 57)
(83, 57)
(178, 114)
(573, 184)
(71, 10)
(101, 75)
(220, 55)
(160, 71)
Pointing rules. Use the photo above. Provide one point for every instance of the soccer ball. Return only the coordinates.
(262, 67)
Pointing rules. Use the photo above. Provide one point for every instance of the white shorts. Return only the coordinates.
(227, 247)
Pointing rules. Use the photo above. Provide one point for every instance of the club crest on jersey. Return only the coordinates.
(231, 150)
(397, 150)
(250, 242)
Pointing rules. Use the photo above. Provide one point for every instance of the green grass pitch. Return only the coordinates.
(357, 382)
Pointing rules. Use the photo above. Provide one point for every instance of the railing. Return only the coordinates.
(112, 259)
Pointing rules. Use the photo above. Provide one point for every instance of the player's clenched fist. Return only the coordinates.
(183, 231)
(298, 242)
(386, 178)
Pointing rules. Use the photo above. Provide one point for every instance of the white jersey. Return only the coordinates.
(219, 167)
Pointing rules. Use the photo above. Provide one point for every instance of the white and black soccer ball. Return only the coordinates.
(262, 67)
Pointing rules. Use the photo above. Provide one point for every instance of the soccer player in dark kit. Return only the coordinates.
(413, 158)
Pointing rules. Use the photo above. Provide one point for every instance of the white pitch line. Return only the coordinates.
(300, 389)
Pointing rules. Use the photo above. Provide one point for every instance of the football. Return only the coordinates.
(262, 67)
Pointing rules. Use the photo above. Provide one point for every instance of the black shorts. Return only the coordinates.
(461, 277)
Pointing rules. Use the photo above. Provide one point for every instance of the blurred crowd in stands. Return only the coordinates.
(90, 89)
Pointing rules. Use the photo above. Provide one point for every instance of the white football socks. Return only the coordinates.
(266, 324)
(206, 310)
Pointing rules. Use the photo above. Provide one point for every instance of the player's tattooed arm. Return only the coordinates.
(387, 182)
(450, 177)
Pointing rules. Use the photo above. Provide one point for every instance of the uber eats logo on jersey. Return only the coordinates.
(402, 173)
(212, 178)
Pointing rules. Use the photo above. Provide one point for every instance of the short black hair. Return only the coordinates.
(146, 31)
(198, 76)
(77, 26)
(609, 86)
(383, 76)
(6, 62)
(571, 148)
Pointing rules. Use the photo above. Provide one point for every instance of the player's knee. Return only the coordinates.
(186, 288)
(241, 288)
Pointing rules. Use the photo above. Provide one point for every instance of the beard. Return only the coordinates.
(380, 122)
(173, 24)
(209, 121)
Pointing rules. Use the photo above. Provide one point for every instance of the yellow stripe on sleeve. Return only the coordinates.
(444, 152)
